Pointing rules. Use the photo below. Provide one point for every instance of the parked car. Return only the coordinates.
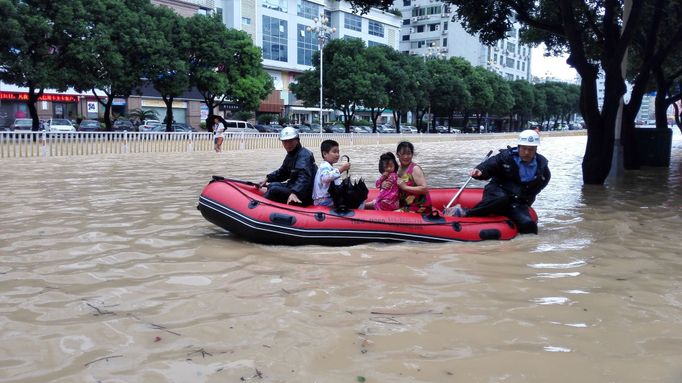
(361, 129)
(385, 128)
(147, 125)
(123, 125)
(262, 128)
(276, 128)
(89, 126)
(236, 126)
(408, 129)
(22, 124)
(60, 125)
(302, 128)
(335, 128)
(182, 127)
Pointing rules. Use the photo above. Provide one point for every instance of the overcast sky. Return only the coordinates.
(554, 66)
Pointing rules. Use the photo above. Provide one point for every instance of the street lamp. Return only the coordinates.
(324, 34)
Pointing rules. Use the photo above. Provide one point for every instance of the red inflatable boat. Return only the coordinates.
(239, 207)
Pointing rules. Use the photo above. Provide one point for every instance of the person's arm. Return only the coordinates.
(328, 174)
(278, 175)
(486, 169)
(420, 186)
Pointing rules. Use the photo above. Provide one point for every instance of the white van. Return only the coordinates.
(234, 126)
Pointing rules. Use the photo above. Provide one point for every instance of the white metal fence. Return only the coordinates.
(44, 144)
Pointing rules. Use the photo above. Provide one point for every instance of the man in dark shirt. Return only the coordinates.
(293, 181)
(517, 175)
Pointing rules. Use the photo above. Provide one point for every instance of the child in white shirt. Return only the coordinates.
(326, 173)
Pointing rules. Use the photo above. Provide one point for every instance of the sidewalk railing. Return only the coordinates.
(43, 144)
(51, 144)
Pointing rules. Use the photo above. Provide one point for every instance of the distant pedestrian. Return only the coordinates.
(218, 129)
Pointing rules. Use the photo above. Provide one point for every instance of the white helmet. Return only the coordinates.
(529, 137)
(288, 133)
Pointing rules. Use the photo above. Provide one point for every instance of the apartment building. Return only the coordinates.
(280, 28)
(428, 29)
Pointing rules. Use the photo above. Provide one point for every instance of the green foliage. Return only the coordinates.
(242, 115)
(266, 119)
(141, 114)
(225, 65)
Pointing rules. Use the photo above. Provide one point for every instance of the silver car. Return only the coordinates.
(60, 125)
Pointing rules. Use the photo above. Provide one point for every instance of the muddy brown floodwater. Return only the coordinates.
(110, 274)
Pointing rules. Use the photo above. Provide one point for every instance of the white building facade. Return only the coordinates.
(427, 26)
(279, 27)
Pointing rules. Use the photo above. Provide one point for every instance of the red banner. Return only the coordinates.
(45, 97)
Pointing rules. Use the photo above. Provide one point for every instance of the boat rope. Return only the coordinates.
(362, 220)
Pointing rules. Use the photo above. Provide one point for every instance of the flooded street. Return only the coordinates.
(110, 274)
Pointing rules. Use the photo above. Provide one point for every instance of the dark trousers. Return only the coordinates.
(278, 192)
(496, 201)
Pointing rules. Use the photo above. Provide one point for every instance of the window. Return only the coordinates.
(376, 29)
(371, 43)
(277, 5)
(407, 3)
(420, 28)
(307, 45)
(274, 39)
(307, 9)
(445, 26)
(406, 22)
(352, 22)
(511, 47)
(434, 27)
(445, 42)
(246, 21)
(510, 62)
(406, 37)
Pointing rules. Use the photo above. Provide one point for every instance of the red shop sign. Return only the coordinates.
(45, 97)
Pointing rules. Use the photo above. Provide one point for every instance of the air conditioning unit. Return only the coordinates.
(437, 27)
(445, 31)
(412, 30)
(414, 19)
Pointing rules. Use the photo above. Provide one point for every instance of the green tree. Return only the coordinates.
(345, 71)
(524, 102)
(503, 97)
(141, 114)
(225, 65)
(403, 76)
(121, 41)
(169, 71)
(481, 93)
(42, 46)
(375, 95)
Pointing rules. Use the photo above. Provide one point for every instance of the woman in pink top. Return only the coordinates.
(388, 198)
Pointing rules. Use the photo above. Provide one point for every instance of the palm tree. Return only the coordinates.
(141, 115)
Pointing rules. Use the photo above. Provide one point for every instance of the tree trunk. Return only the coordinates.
(168, 120)
(600, 126)
(32, 110)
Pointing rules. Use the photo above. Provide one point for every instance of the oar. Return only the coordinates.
(465, 184)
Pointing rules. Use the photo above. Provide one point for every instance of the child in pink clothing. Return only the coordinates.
(388, 198)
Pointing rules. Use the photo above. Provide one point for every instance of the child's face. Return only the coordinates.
(389, 167)
(332, 156)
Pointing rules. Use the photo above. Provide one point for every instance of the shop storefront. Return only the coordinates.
(158, 106)
(49, 105)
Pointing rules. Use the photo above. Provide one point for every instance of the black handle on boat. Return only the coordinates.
(347, 159)
(221, 178)
(466, 183)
